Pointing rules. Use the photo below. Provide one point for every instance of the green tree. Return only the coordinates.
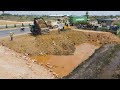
(117, 23)
(111, 16)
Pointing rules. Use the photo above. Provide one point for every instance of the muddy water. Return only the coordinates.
(63, 65)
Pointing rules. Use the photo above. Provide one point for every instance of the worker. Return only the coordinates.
(11, 36)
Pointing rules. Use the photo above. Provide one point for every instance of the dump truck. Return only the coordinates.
(39, 27)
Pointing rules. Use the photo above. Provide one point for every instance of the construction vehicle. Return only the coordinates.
(39, 27)
(64, 24)
(67, 27)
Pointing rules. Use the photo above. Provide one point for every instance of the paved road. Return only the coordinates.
(15, 31)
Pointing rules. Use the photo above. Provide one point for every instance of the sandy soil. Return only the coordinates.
(63, 65)
(17, 66)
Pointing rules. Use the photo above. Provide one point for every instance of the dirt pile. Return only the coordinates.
(52, 44)
(42, 24)
(103, 64)
(57, 44)
(49, 23)
(102, 38)
(62, 65)
(62, 44)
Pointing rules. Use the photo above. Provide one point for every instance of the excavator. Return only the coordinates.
(40, 27)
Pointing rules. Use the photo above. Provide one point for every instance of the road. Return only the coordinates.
(5, 33)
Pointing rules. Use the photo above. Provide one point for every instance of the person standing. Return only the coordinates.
(11, 36)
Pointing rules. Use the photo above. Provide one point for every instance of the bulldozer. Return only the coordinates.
(40, 27)
(65, 25)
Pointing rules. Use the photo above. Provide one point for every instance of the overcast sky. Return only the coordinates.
(64, 12)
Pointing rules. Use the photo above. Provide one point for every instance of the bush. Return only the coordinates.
(104, 29)
(14, 25)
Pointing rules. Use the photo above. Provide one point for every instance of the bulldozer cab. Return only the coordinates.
(39, 27)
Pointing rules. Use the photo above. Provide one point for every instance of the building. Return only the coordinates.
(107, 22)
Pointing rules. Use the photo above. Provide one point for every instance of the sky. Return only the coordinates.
(63, 12)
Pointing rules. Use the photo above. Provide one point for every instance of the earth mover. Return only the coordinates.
(40, 27)
(64, 25)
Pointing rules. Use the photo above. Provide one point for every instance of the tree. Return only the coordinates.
(117, 23)
(111, 16)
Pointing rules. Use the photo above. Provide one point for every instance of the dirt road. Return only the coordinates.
(17, 66)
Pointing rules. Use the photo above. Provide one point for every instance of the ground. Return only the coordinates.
(61, 53)
(63, 64)
(103, 64)
(17, 66)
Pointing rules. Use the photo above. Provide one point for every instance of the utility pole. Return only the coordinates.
(87, 14)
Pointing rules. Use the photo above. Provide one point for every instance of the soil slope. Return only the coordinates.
(103, 64)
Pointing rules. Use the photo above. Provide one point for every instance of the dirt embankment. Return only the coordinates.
(52, 44)
(45, 48)
(103, 64)
(64, 64)
(16, 66)
(57, 44)
(102, 38)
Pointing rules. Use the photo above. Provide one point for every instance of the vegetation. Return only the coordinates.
(117, 23)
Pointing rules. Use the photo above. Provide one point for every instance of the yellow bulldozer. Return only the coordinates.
(65, 25)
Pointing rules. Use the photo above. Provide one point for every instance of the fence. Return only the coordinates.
(14, 25)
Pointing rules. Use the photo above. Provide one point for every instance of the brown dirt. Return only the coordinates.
(41, 24)
(100, 37)
(62, 44)
(53, 44)
(17, 66)
(63, 65)
(103, 64)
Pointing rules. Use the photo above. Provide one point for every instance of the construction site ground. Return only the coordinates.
(17, 66)
(60, 53)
